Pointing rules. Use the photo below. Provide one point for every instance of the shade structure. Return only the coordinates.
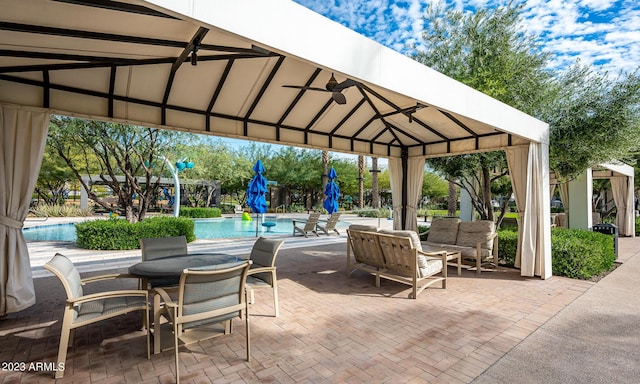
(248, 69)
(255, 191)
(332, 191)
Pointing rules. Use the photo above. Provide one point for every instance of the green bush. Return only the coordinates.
(200, 213)
(581, 254)
(119, 234)
(507, 245)
(380, 212)
(637, 226)
(575, 253)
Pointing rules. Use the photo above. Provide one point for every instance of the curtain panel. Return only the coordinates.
(23, 135)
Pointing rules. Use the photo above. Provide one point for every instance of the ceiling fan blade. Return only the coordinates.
(305, 88)
(339, 98)
(345, 84)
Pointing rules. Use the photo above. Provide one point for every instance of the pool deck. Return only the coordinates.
(495, 328)
(90, 260)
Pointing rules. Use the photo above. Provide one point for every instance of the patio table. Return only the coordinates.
(165, 272)
(457, 256)
(172, 266)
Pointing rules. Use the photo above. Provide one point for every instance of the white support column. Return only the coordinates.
(580, 201)
(466, 207)
(84, 198)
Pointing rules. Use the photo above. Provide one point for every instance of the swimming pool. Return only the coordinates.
(221, 228)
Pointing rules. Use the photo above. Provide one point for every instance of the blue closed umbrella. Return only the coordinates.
(332, 190)
(256, 190)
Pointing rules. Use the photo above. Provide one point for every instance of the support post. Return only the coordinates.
(405, 174)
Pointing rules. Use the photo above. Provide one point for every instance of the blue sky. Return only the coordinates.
(603, 33)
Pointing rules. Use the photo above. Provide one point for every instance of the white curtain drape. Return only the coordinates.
(517, 160)
(529, 167)
(395, 179)
(415, 175)
(23, 135)
(624, 199)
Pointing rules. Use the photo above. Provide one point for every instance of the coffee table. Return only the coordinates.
(451, 255)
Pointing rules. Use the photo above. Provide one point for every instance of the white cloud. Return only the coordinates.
(604, 32)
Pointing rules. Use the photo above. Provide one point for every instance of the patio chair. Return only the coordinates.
(263, 270)
(207, 297)
(330, 224)
(81, 309)
(309, 225)
(238, 210)
(155, 248)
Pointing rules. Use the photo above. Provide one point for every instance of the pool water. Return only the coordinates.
(204, 229)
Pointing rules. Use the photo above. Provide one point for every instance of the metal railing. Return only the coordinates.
(280, 206)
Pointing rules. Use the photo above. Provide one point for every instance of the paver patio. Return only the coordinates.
(331, 329)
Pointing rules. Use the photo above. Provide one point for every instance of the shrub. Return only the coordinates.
(581, 254)
(637, 225)
(381, 212)
(200, 213)
(63, 211)
(119, 234)
(507, 245)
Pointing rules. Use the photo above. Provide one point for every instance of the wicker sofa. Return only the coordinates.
(475, 240)
(394, 255)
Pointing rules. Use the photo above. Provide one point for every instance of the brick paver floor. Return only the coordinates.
(331, 329)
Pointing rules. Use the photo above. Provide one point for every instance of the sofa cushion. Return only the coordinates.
(364, 228)
(429, 266)
(472, 232)
(444, 230)
(415, 239)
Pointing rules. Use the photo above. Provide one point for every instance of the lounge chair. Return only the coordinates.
(238, 210)
(329, 224)
(309, 225)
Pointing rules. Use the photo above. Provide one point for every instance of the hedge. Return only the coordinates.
(200, 213)
(507, 245)
(581, 254)
(119, 234)
(575, 253)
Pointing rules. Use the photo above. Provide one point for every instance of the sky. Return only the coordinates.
(602, 33)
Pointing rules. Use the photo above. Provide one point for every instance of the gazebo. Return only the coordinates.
(270, 71)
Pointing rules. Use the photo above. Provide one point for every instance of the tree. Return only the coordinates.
(434, 186)
(126, 159)
(53, 178)
(488, 51)
(594, 119)
(462, 170)
(299, 170)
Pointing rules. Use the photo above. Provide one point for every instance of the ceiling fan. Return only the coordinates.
(332, 86)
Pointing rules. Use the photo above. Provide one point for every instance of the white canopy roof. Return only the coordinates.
(130, 61)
